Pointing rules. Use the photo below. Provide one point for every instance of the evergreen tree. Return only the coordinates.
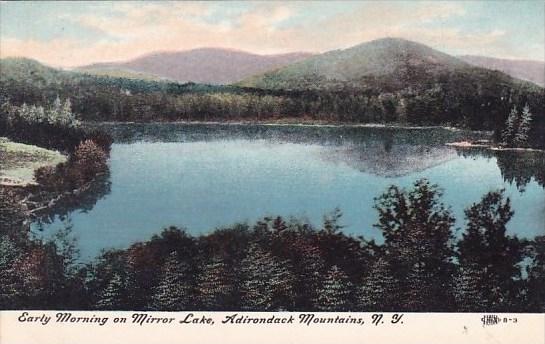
(486, 245)
(421, 295)
(511, 127)
(379, 289)
(266, 282)
(216, 286)
(279, 224)
(417, 229)
(469, 290)
(332, 221)
(336, 292)
(113, 296)
(536, 277)
(175, 289)
(11, 286)
(309, 267)
(525, 121)
(12, 216)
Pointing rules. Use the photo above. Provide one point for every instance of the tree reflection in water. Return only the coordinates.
(516, 167)
(85, 201)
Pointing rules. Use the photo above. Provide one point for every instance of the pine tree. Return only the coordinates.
(12, 216)
(335, 294)
(215, 286)
(511, 127)
(420, 295)
(112, 297)
(525, 120)
(175, 289)
(266, 282)
(11, 286)
(279, 224)
(310, 267)
(536, 277)
(417, 228)
(332, 221)
(486, 245)
(470, 294)
(378, 290)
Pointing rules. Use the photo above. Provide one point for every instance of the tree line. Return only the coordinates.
(282, 264)
(456, 99)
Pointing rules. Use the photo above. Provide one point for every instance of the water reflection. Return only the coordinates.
(390, 160)
(516, 167)
(204, 176)
(322, 135)
(83, 201)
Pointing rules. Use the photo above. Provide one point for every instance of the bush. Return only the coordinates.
(89, 160)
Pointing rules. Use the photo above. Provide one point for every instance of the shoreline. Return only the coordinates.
(20, 161)
(317, 124)
(467, 144)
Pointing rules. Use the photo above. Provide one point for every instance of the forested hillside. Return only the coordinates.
(385, 81)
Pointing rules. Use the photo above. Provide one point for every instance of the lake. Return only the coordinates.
(203, 176)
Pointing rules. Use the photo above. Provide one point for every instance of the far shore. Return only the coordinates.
(299, 123)
(490, 146)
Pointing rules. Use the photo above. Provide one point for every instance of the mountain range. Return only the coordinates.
(528, 70)
(383, 81)
(379, 58)
(205, 65)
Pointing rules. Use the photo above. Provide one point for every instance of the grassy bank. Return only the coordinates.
(18, 162)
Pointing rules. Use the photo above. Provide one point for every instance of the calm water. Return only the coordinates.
(205, 176)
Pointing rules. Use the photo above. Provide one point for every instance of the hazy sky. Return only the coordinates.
(78, 33)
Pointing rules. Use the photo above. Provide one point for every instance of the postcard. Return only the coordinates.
(272, 171)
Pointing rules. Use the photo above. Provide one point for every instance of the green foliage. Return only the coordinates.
(417, 229)
(175, 289)
(336, 292)
(309, 267)
(331, 221)
(11, 286)
(280, 265)
(535, 288)
(378, 290)
(216, 285)
(486, 244)
(517, 127)
(511, 126)
(266, 281)
(521, 137)
(89, 160)
(449, 92)
(12, 216)
(470, 294)
(113, 296)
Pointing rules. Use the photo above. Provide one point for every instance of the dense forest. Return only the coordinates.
(454, 99)
(423, 264)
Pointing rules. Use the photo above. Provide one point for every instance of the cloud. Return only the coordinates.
(128, 30)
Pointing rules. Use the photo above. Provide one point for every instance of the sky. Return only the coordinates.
(68, 34)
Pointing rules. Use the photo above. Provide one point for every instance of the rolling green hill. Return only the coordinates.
(388, 64)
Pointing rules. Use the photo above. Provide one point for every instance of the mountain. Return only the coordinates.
(388, 64)
(528, 70)
(28, 71)
(205, 65)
